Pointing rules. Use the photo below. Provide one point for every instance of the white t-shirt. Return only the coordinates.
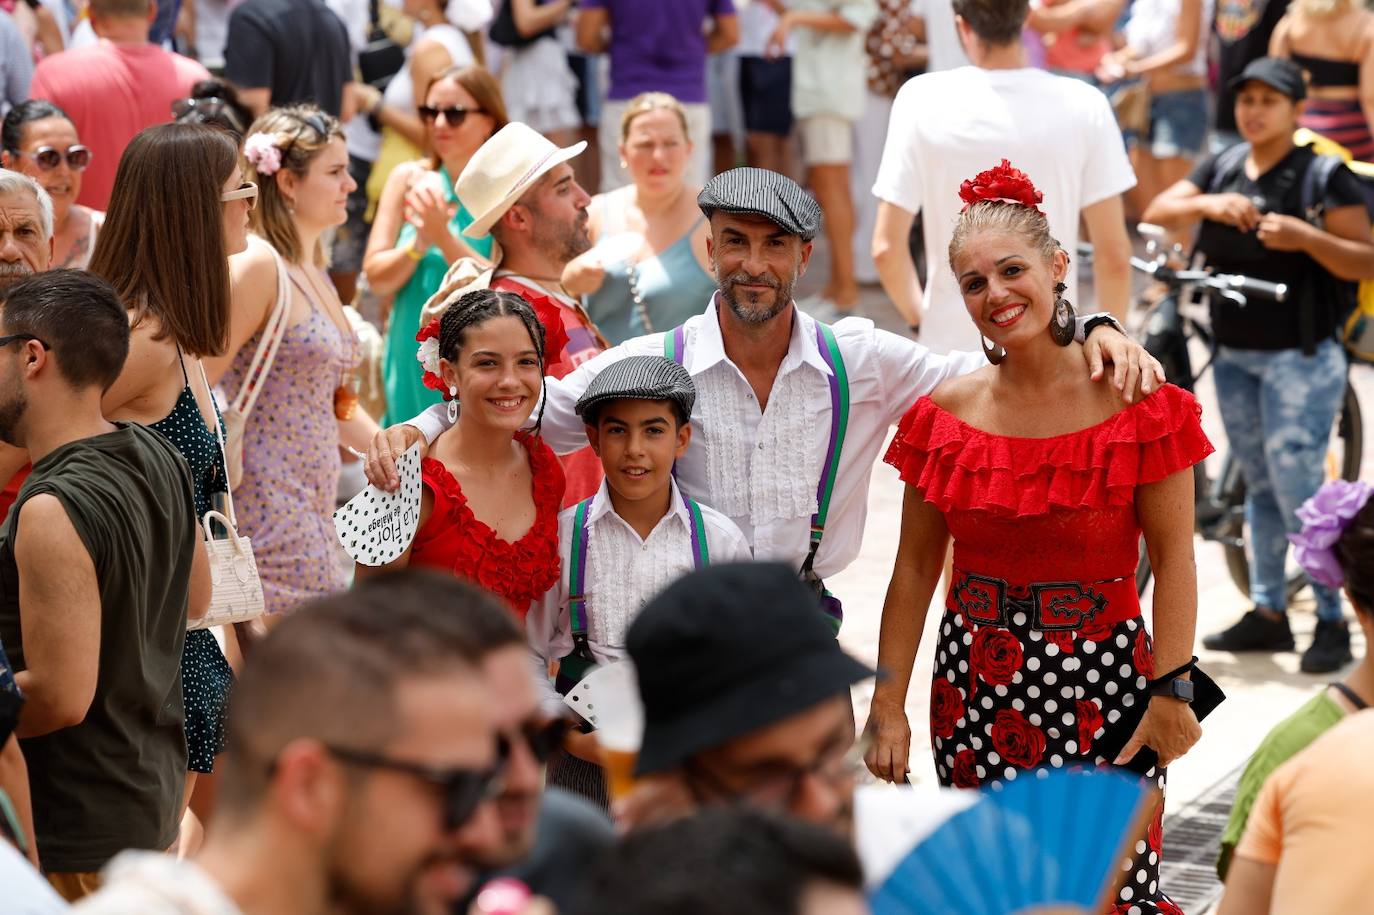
(949, 126)
(942, 38)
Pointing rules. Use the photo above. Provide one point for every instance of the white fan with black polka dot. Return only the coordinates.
(376, 527)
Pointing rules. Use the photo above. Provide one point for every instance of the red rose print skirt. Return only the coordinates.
(1027, 679)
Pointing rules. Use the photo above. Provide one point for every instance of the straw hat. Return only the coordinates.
(503, 169)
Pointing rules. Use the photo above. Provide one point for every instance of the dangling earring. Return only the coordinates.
(995, 352)
(1061, 325)
(452, 404)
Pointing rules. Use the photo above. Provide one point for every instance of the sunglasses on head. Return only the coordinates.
(209, 108)
(49, 157)
(454, 114)
(464, 789)
(246, 191)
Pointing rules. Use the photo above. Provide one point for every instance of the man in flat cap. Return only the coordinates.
(624, 545)
(790, 412)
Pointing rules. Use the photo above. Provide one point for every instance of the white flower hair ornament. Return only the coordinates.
(262, 151)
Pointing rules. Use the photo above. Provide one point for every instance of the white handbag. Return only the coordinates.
(236, 413)
(236, 588)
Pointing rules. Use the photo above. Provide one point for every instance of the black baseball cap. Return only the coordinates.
(1276, 73)
(728, 650)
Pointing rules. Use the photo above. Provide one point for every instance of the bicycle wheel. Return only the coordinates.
(1343, 457)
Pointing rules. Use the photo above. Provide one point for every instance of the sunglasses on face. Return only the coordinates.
(541, 737)
(11, 338)
(246, 191)
(464, 790)
(49, 157)
(454, 115)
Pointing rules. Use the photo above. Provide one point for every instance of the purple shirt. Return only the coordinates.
(659, 46)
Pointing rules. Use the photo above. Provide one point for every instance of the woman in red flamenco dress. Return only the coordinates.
(489, 507)
(1046, 482)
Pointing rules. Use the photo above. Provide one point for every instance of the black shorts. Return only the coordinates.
(765, 89)
(351, 238)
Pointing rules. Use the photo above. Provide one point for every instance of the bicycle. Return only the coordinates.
(1168, 326)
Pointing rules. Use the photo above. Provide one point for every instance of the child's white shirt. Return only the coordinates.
(623, 573)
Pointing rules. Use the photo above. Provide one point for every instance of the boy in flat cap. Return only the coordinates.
(792, 412)
(621, 547)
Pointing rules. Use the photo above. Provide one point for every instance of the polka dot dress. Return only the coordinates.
(205, 674)
(994, 719)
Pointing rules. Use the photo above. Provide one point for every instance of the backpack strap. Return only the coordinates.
(1312, 200)
(1228, 162)
(1315, 183)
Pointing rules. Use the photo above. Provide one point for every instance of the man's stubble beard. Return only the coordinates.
(751, 311)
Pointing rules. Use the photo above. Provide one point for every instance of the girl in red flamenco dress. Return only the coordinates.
(489, 507)
(1046, 482)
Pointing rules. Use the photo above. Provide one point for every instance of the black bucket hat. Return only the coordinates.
(729, 650)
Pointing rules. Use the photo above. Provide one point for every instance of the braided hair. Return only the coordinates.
(479, 306)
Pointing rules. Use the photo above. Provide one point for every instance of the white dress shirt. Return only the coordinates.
(761, 468)
(623, 573)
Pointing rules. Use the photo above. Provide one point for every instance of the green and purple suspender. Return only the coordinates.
(576, 665)
(674, 348)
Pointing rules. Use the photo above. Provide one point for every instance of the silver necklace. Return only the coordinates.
(638, 297)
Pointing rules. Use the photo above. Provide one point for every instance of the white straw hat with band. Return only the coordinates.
(503, 169)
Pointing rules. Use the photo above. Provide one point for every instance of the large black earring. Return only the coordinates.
(1062, 324)
(995, 352)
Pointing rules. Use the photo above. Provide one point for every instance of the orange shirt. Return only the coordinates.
(1312, 821)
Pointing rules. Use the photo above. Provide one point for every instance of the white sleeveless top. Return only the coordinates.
(1153, 26)
(400, 92)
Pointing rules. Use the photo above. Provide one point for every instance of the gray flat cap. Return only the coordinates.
(640, 378)
(759, 192)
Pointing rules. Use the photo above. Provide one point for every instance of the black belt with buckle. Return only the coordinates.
(1049, 605)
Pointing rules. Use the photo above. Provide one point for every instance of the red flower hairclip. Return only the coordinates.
(551, 316)
(428, 357)
(1003, 184)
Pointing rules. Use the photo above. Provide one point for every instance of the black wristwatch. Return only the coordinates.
(1177, 688)
(1092, 322)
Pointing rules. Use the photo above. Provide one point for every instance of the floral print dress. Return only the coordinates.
(1042, 647)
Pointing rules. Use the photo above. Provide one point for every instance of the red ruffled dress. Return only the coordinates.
(1042, 642)
(454, 540)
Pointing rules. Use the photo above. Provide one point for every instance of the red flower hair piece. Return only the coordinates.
(555, 335)
(1002, 184)
(428, 357)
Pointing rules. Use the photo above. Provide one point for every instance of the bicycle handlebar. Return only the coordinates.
(1231, 285)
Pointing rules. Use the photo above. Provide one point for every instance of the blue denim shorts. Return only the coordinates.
(1178, 124)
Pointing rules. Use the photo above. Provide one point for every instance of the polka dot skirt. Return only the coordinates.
(1006, 702)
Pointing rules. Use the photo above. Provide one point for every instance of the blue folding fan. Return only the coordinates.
(1054, 840)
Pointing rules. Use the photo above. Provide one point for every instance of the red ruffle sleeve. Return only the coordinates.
(958, 467)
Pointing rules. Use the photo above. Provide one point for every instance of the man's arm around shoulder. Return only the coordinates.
(59, 618)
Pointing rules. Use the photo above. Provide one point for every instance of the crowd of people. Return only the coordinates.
(251, 248)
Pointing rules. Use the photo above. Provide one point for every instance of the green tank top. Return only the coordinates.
(115, 780)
